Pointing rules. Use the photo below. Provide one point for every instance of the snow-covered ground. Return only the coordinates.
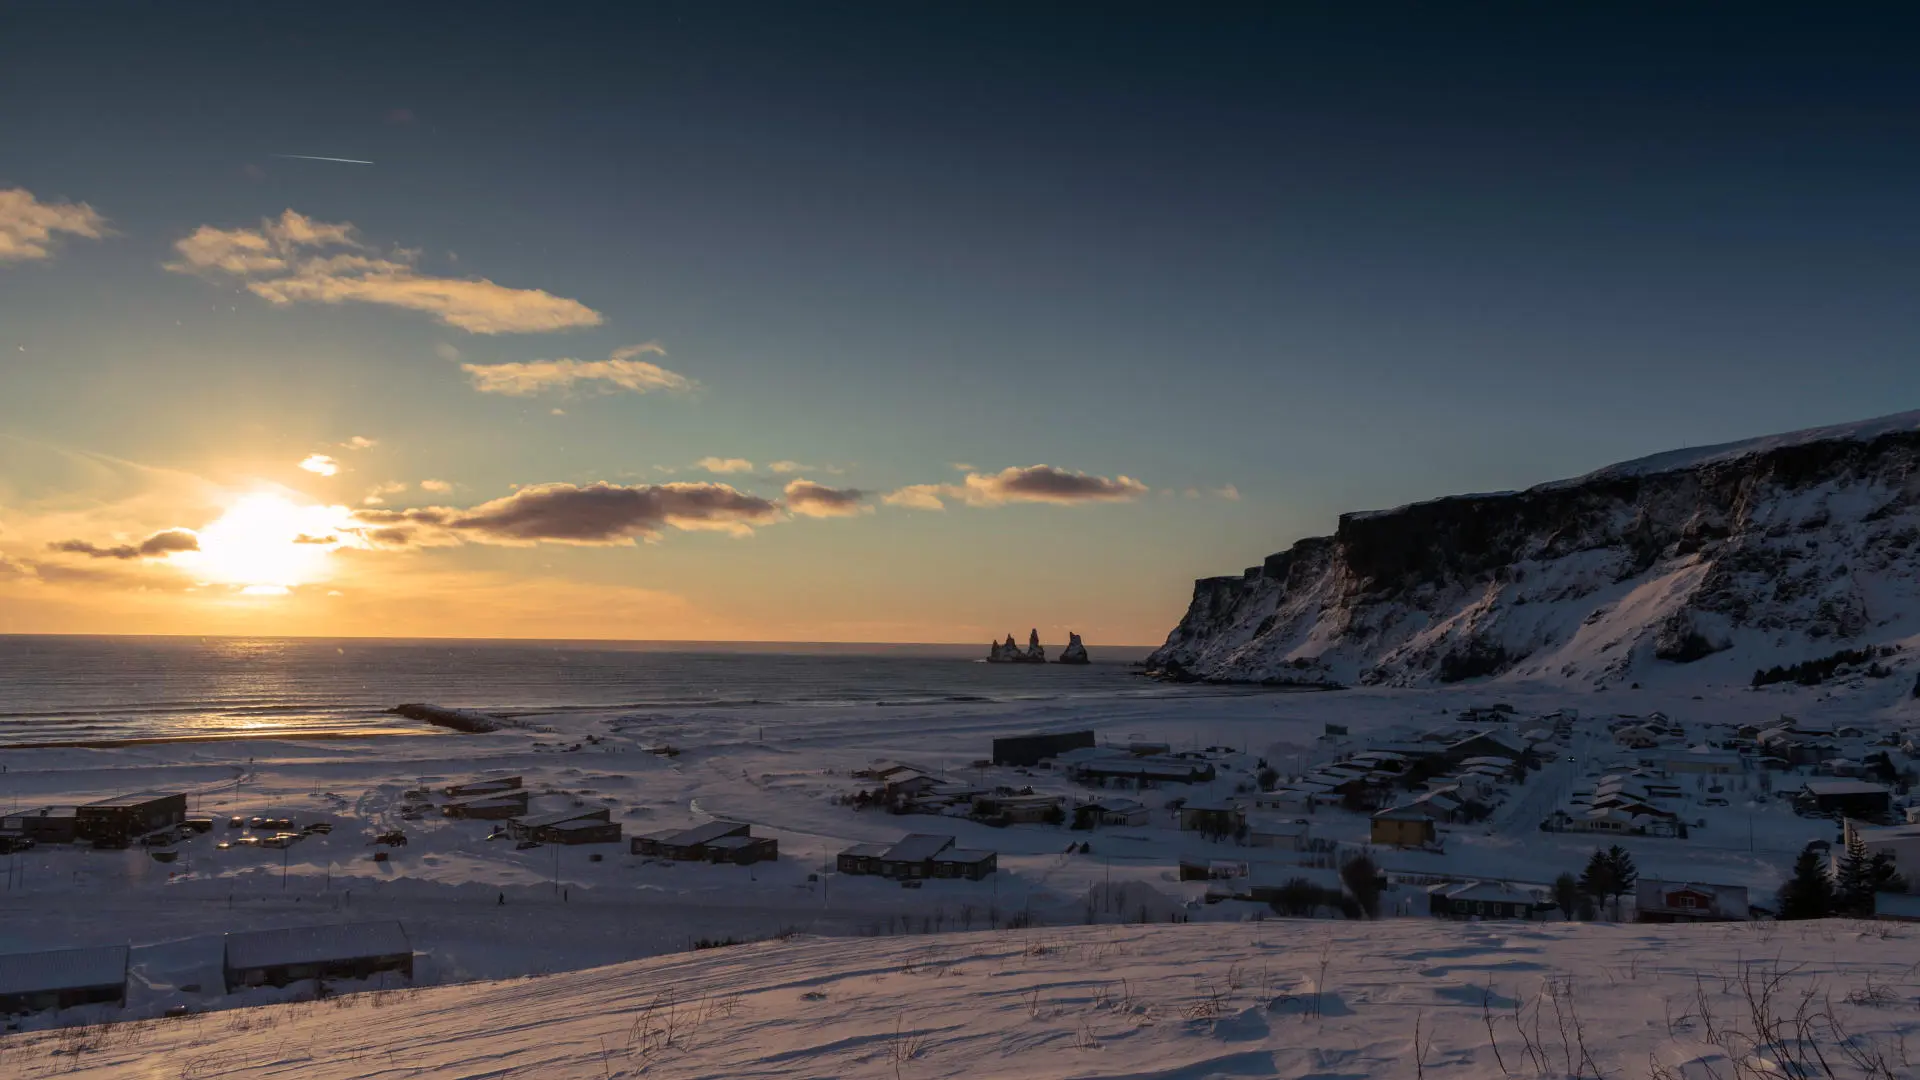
(1326, 1000)
(481, 909)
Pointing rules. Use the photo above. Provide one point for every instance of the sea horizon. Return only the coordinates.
(626, 644)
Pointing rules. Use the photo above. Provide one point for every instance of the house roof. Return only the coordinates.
(704, 833)
(1213, 806)
(1118, 806)
(63, 969)
(1400, 813)
(963, 855)
(729, 843)
(1266, 826)
(311, 944)
(918, 847)
(136, 798)
(867, 851)
(1844, 787)
(577, 824)
(517, 796)
(1484, 892)
(555, 817)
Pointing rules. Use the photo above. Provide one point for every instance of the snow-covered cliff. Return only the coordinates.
(1697, 565)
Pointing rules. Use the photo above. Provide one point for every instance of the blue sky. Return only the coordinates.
(1324, 258)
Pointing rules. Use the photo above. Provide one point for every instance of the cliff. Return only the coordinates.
(1698, 565)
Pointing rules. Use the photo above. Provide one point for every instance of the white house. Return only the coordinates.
(1286, 834)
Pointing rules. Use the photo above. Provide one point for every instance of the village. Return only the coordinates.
(1471, 814)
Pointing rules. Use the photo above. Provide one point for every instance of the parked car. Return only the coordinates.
(246, 841)
(236, 822)
(256, 822)
(158, 839)
(11, 844)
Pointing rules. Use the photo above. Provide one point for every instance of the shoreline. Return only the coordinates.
(161, 740)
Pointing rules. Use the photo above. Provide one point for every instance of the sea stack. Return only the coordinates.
(1035, 654)
(1010, 652)
(1074, 653)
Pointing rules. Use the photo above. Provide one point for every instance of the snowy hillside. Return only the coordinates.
(1379, 1001)
(1689, 568)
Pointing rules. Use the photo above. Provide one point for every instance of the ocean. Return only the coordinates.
(98, 689)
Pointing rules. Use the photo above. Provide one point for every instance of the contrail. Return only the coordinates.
(310, 157)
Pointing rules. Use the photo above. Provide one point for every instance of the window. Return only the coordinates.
(1685, 900)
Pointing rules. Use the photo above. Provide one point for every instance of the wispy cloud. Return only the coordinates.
(598, 513)
(1032, 484)
(28, 226)
(620, 371)
(784, 467)
(284, 262)
(159, 545)
(817, 500)
(438, 486)
(724, 465)
(320, 465)
(361, 442)
(378, 494)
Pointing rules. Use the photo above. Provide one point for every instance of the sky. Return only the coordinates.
(889, 322)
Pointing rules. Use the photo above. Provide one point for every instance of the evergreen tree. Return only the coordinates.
(1883, 876)
(1597, 879)
(1566, 895)
(1624, 874)
(1809, 893)
(1852, 885)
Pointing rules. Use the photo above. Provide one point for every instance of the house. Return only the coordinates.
(62, 978)
(713, 841)
(969, 863)
(1482, 900)
(1700, 760)
(115, 822)
(908, 784)
(1120, 812)
(1901, 843)
(47, 825)
(337, 951)
(527, 827)
(1401, 827)
(1278, 833)
(917, 855)
(488, 806)
(1018, 809)
(1854, 798)
(1209, 816)
(1436, 805)
(1031, 750)
(1657, 901)
(493, 786)
(579, 831)
(1142, 772)
(1896, 907)
(1498, 744)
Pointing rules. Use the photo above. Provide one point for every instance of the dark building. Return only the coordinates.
(714, 841)
(340, 951)
(1032, 749)
(116, 821)
(62, 978)
(527, 827)
(488, 806)
(579, 831)
(1482, 900)
(1854, 798)
(918, 855)
(484, 787)
(47, 825)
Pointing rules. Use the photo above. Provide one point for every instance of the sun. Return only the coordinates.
(266, 545)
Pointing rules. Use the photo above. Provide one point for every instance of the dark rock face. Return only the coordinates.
(1762, 557)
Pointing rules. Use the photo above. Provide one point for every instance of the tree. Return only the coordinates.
(1852, 889)
(1597, 879)
(1362, 879)
(1624, 875)
(1268, 778)
(1566, 895)
(1808, 894)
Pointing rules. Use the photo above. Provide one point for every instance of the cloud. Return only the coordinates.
(1032, 484)
(159, 545)
(724, 465)
(361, 442)
(598, 513)
(305, 538)
(449, 353)
(1228, 492)
(320, 464)
(790, 467)
(27, 225)
(379, 493)
(959, 466)
(621, 371)
(918, 496)
(815, 500)
(283, 263)
(440, 486)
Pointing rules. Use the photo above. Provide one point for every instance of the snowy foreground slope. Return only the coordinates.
(1332, 1001)
(1684, 568)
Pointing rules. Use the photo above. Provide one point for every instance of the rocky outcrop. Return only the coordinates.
(1075, 652)
(1009, 652)
(1701, 564)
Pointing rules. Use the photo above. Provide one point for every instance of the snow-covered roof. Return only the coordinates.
(963, 855)
(555, 817)
(1844, 787)
(312, 944)
(867, 851)
(918, 847)
(1269, 826)
(1400, 813)
(62, 969)
(1483, 891)
(138, 798)
(577, 824)
(704, 833)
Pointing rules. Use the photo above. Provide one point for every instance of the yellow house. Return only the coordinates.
(1402, 827)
